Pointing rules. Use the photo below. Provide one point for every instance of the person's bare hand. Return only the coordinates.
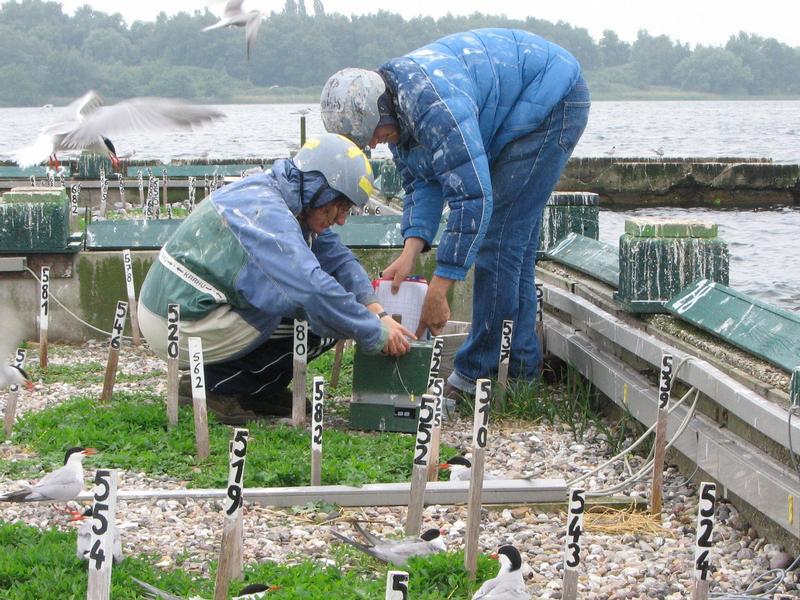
(404, 264)
(435, 312)
(398, 343)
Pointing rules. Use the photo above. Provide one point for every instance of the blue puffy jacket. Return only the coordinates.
(459, 101)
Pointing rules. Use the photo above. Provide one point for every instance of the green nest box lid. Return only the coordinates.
(670, 228)
(35, 195)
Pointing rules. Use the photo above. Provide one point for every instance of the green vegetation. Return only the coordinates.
(81, 373)
(296, 52)
(38, 564)
(130, 432)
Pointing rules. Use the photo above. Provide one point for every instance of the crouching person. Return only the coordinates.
(253, 257)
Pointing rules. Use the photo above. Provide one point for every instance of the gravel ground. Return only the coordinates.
(653, 560)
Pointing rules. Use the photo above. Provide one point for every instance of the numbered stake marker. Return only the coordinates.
(436, 389)
(337, 362)
(664, 390)
(140, 181)
(572, 544)
(199, 397)
(192, 192)
(705, 530)
(318, 395)
(127, 263)
(299, 373)
(419, 472)
(101, 544)
(396, 585)
(173, 354)
(505, 354)
(540, 320)
(113, 351)
(480, 437)
(74, 198)
(103, 193)
(230, 557)
(121, 185)
(44, 314)
(12, 396)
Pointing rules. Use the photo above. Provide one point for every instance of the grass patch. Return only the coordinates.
(32, 561)
(82, 373)
(131, 433)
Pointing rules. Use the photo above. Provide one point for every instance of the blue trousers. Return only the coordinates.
(523, 176)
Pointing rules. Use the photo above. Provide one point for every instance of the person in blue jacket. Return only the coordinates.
(480, 123)
(253, 257)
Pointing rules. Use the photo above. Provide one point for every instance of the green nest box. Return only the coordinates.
(88, 166)
(35, 220)
(660, 257)
(569, 212)
(387, 389)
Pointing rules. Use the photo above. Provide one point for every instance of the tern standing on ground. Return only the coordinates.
(62, 485)
(88, 123)
(234, 16)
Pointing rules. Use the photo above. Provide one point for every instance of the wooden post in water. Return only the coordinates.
(173, 356)
(302, 131)
(113, 351)
(419, 473)
(44, 314)
(230, 555)
(317, 398)
(572, 544)
(660, 448)
(505, 355)
(337, 362)
(127, 263)
(396, 585)
(707, 501)
(299, 373)
(198, 378)
(480, 435)
(101, 543)
(12, 396)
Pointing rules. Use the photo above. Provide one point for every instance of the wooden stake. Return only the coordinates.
(199, 397)
(572, 544)
(44, 314)
(173, 353)
(12, 396)
(103, 193)
(396, 585)
(165, 185)
(230, 556)
(299, 373)
(540, 320)
(113, 351)
(101, 555)
(660, 449)
(419, 471)
(140, 177)
(705, 529)
(505, 355)
(192, 192)
(337, 362)
(436, 390)
(316, 429)
(480, 435)
(127, 263)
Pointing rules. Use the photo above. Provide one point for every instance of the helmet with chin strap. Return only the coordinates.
(349, 104)
(343, 165)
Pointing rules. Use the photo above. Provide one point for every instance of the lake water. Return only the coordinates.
(764, 245)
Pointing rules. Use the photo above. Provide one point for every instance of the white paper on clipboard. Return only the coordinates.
(407, 302)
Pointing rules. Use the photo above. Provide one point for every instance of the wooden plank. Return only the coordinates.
(768, 332)
(480, 435)
(113, 351)
(130, 288)
(337, 362)
(44, 314)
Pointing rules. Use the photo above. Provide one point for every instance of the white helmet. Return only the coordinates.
(342, 163)
(349, 104)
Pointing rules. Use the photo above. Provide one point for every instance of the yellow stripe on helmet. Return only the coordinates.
(365, 185)
(312, 143)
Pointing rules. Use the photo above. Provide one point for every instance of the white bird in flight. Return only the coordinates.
(396, 552)
(508, 584)
(88, 123)
(62, 485)
(659, 151)
(234, 16)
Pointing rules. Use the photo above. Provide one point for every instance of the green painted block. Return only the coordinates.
(193, 170)
(35, 220)
(88, 166)
(794, 387)
(569, 212)
(652, 270)
(387, 178)
(129, 233)
(754, 326)
(15, 172)
(387, 389)
(587, 255)
(670, 228)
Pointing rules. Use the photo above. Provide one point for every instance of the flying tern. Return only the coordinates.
(508, 583)
(62, 485)
(88, 123)
(396, 551)
(249, 592)
(234, 16)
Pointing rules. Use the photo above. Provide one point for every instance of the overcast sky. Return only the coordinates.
(693, 21)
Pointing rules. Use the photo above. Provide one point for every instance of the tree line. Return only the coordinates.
(49, 55)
